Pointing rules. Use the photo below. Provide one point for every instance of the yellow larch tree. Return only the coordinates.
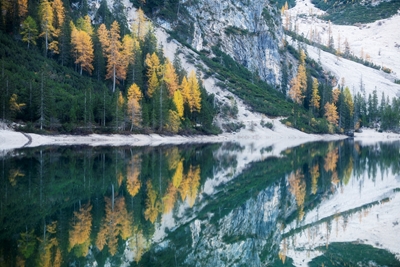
(82, 47)
(48, 248)
(315, 98)
(295, 92)
(178, 175)
(185, 90)
(113, 51)
(140, 25)
(184, 187)
(153, 70)
(46, 17)
(298, 189)
(81, 227)
(153, 84)
(133, 183)
(331, 113)
(170, 78)
(117, 222)
(59, 12)
(314, 172)
(22, 9)
(331, 160)
(152, 204)
(129, 45)
(178, 101)
(194, 183)
(134, 97)
(173, 158)
(299, 83)
(301, 72)
(173, 121)
(335, 95)
(194, 100)
(169, 198)
(104, 38)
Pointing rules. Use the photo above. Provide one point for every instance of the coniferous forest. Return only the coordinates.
(65, 72)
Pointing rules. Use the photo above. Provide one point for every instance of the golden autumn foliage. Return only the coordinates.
(129, 45)
(331, 113)
(298, 84)
(315, 98)
(298, 189)
(49, 253)
(173, 158)
(133, 183)
(152, 205)
(194, 98)
(139, 244)
(170, 78)
(335, 95)
(178, 175)
(134, 96)
(178, 101)
(82, 47)
(153, 70)
(59, 15)
(22, 8)
(113, 50)
(174, 121)
(331, 160)
(185, 90)
(314, 172)
(189, 185)
(46, 16)
(13, 175)
(194, 183)
(81, 226)
(295, 92)
(141, 25)
(117, 222)
(152, 84)
(170, 198)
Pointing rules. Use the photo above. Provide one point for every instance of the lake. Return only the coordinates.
(230, 204)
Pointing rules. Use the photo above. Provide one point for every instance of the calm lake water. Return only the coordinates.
(325, 203)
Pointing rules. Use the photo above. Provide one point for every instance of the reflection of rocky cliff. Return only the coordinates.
(246, 234)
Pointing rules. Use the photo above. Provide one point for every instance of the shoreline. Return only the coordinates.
(11, 140)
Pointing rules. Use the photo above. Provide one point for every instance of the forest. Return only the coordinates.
(65, 72)
(67, 75)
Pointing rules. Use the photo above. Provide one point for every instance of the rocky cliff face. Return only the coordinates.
(248, 30)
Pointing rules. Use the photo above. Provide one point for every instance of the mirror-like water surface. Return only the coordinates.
(330, 204)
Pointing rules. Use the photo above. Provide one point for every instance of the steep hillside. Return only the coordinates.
(248, 30)
(373, 44)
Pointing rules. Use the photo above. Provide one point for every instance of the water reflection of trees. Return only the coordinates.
(95, 202)
(99, 197)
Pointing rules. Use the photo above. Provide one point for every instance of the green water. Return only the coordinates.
(196, 205)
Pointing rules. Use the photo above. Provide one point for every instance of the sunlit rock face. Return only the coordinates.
(248, 30)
